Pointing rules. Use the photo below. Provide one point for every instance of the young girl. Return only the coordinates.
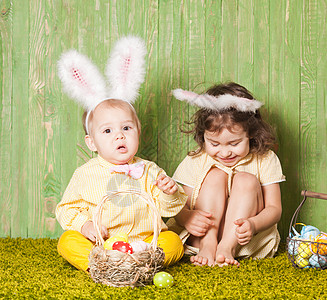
(232, 180)
(112, 131)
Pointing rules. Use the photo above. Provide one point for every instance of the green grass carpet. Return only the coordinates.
(32, 269)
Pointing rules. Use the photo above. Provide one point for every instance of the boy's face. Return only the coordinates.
(228, 147)
(113, 134)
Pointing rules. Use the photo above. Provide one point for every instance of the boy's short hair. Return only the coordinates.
(113, 103)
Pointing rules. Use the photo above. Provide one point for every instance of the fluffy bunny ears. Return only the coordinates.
(125, 71)
(218, 103)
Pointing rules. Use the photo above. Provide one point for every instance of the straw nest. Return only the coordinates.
(118, 269)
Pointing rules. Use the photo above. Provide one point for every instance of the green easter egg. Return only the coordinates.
(163, 279)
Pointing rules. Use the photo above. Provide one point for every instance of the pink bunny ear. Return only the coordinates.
(81, 80)
(126, 68)
(219, 103)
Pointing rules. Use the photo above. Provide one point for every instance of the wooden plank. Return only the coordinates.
(147, 105)
(284, 98)
(164, 86)
(6, 71)
(52, 185)
(229, 40)
(196, 53)
(261, 54)
(308, 115)
(213, 28)
(179, 111)
(245, 43)
(321, 96)
(20, 121)
(288, 107)
(62, 116)
(36, 76)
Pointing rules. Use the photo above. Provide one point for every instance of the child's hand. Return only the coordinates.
(166, 184)
(244, 231)
(198, 222)
(89, 231)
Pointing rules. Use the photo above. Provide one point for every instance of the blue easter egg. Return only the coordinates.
(309, 228)
(293, 246)
(318, 261)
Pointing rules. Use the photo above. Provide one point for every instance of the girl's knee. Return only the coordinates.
(215, 176)
(246, 181)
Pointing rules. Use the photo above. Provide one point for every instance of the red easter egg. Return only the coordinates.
(122, 247)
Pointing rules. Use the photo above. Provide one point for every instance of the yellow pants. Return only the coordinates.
(75, 248)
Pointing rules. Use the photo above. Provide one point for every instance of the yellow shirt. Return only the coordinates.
(193, 169)
(128, 213)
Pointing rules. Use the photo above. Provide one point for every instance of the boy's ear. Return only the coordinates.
(89, 143)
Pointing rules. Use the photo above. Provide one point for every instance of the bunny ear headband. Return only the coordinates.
(125, 71)
(219, 103)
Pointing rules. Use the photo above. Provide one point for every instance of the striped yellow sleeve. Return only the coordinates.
(72, 212)
(168, 205)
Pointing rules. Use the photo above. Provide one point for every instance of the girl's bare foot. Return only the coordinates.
(225, 257)
(206, 256)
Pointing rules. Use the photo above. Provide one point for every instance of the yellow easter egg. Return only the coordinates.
(118, 237)
(304, 250)
(301, 262)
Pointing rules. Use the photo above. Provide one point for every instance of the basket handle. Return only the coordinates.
(314, 195)
(305, 194)
(156, 215)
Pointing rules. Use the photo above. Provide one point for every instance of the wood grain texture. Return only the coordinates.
(6, 67)
(274, 48)
(36, 99)
(308, 116)
(20, 120)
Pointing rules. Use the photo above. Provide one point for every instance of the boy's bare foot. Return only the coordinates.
(225, 257)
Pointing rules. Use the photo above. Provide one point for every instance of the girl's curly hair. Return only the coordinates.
(259, 132)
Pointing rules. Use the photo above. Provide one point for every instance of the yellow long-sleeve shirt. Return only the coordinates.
(128, 213)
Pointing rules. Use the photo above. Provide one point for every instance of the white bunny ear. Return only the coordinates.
(81, 79)
(126, 68)
(219, 103)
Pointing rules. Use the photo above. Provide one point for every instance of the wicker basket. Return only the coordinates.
(118, 269)
(303, 253)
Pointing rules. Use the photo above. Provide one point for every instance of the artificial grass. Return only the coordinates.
(32, 269)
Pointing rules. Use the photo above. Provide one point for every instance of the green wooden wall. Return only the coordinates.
(276, 48)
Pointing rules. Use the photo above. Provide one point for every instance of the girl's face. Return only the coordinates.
(114, 134)
(227, 147)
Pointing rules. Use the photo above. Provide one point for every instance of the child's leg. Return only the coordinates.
(172, 246)
(212, 198)
(245, 201)
(75, 248)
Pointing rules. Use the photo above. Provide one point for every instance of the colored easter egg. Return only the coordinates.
(309, 228)
(122, 247)
(118, 237)
(320, 245)
(301, 262)
(309, 232)
(163, 279)
(140, 246)
(304, 250)
(293, 245)
(318, 261)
